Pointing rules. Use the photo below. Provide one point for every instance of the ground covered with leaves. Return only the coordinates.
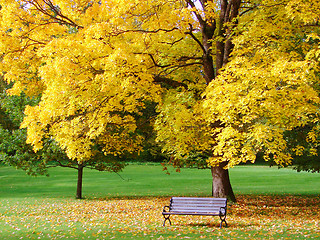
(252, 217)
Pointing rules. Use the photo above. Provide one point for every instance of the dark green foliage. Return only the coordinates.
(151, 149)
(13, 149)
(15, 152)
(305, 161)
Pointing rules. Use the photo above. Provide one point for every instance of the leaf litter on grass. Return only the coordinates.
(252, 217)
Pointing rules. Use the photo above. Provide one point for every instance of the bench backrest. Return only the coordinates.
(199, 205)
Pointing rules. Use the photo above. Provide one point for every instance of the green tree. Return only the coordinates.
(303, 149)
(17, 153)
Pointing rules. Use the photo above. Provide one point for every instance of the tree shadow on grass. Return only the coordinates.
(279, 200)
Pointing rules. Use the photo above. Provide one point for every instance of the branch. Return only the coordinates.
(156, 64)
(60, 164)
(198, 16)
(248, 9)
(195, 38)
(186, 58)
(174, 42)
(170, 66)
(127, 180)
(58, 17)
(27, 45)
(316, 24)
(170, 82)
(144, 31)
(58, 13)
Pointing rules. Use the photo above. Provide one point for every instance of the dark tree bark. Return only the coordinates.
(210, 28)
(228, 14)
(229, 11)
(221, 186)
(79, 183)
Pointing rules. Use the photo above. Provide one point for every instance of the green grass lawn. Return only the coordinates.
(272, 204)
(271, 180)
(150, 180)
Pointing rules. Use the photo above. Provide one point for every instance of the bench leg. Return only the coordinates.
(166, 217)
(223, 219)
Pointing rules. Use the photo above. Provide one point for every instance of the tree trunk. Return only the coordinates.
(221, 186)
(229, 11)
(221, 28)
(79, 184)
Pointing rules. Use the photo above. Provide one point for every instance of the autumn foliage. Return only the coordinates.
(271, 84)
(230, 77)
(253, 217)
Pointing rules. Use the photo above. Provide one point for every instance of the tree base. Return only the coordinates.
(221, 186)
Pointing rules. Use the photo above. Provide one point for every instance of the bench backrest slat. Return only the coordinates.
(211, 201)
(199, 205)
(195, 210)
(198, 199)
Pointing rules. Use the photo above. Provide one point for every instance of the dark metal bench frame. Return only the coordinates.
(196, 206)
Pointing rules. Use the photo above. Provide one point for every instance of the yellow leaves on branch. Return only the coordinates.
(180, 125)
(93, 75)
(85, 105)
(270, 85)
(305, 11)
(35, 130)
(91, 63)
(94, 64)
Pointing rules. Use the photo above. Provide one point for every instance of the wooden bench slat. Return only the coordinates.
(194, 209)
(201, 203)
(189, 212)
(198, 205)
(192, 213)
(199, 198)
(204, 200)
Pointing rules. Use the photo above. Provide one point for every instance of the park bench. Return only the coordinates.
(196, 206)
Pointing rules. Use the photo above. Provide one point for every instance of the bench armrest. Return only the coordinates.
(223, 211)
(166, 209)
